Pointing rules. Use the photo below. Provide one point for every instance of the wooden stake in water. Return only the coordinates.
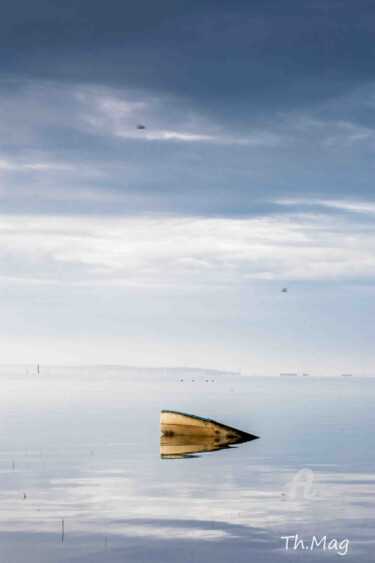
(62, 529)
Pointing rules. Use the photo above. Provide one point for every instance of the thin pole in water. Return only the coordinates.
(62, 529)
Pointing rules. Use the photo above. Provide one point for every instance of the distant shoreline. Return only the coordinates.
(181, 371)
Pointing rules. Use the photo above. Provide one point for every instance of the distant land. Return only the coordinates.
(294, 374)
(113, 369)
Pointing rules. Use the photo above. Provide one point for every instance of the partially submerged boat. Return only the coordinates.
(185, 446)
(179, 423)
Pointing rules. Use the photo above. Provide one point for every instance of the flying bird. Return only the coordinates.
(141, 126)
(284, 290)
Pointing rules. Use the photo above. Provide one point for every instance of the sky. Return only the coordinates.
(170, 245)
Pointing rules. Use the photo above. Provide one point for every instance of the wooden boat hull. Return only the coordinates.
(179, 423)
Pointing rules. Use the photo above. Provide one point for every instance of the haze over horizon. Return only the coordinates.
(171, 245)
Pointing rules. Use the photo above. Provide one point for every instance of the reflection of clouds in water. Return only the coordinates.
(188, 511)
(238, 543)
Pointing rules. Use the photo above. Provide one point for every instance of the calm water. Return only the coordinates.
(84, 447)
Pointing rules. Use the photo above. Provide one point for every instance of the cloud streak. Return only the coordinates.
(363, 207)
(117, 113)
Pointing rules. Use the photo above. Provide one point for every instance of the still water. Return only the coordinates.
(82, 478)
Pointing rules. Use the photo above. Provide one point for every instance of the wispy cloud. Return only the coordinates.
(19, 166)
(350, 134)
(364, 207)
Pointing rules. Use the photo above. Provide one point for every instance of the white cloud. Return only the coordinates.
(153, 251)
(6, 165)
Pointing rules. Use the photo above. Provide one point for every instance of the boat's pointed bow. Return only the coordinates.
(180, 423)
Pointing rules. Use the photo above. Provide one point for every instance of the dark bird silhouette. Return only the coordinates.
(284, 290)
(141, 126)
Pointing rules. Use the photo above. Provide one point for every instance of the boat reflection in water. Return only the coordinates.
(177, 447)
(185, 435)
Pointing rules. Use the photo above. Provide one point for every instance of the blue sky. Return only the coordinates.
(170, 245)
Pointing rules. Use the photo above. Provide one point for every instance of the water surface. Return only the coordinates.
(82, 479)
